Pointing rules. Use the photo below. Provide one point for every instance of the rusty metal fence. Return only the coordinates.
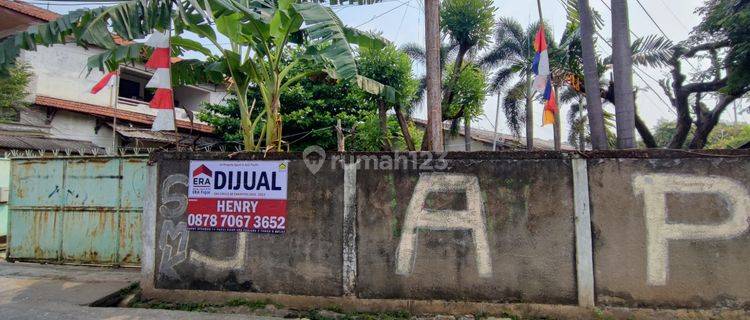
(80, 210)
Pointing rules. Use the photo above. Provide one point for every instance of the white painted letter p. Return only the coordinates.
(655, 187)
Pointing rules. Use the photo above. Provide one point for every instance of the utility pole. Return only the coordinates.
(497, 118)
(557, 126)
(622, 61)
(432, 44)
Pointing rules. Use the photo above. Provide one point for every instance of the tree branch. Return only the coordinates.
(644, 132)
(704, 86)
(691, 52)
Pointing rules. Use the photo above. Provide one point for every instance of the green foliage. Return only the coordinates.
(723, 136)
(730, 20)
(13, 91)
(391, 67)
(225, 118)
(469, 91)
(314, 104)
(468, 22)
(312, 108)
(368, 136)
(726, 136)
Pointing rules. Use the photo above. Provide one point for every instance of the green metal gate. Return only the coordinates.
(83, 210)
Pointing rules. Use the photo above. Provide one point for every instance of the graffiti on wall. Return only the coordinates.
(654, 189)
(173, 243)
(174, 237)
(418, 217)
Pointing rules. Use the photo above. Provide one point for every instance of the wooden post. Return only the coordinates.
(340, 136)
(432, 44)
(116, 92)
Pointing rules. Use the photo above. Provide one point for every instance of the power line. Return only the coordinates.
(652, 19)
(674, 15)
(398, 31)
(637, 69)
(403, 3)
(638, 74)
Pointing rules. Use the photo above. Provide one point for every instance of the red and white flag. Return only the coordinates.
(108, 79)
(163, 100)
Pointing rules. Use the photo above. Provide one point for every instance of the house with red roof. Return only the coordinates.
(63, 107)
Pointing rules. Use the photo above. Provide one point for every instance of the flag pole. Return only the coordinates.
(174, 107)
(539, 8)
(116, 91)
(556, 125)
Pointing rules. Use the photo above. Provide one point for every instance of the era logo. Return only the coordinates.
(202, 176)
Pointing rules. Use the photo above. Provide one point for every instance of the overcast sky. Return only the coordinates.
(402, 21)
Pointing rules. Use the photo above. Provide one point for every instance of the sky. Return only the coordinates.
(402, 21)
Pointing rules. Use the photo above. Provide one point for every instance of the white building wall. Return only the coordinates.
(60, 72)
(191, 98)
(456, 143)
(70, 125)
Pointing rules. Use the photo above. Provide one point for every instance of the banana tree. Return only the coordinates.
(259, 34)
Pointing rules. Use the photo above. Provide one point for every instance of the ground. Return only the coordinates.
(36, 291)
(45, 291)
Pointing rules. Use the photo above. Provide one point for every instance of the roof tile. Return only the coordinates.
(111, 112)
(29, 10)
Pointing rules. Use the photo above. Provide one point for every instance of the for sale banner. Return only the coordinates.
(237, 196)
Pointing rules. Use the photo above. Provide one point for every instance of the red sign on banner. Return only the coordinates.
(238, 196)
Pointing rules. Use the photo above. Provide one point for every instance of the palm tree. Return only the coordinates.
(623, 75)
(568, 70)
(468, 25)
(591, 77)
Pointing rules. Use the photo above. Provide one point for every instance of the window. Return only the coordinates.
(130, 89)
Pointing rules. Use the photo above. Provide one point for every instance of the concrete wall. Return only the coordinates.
(666, 229)
(671, 231)
(504, 233)
(306, 260)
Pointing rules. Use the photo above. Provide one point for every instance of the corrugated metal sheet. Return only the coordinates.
(77, 210)
(4, 183)
(165, 136)
(43, 143)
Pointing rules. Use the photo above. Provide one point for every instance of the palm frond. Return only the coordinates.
(501, 54)
(500, 79)
(652, 51)
(514, 108)
(415, 51)
(509, 29)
